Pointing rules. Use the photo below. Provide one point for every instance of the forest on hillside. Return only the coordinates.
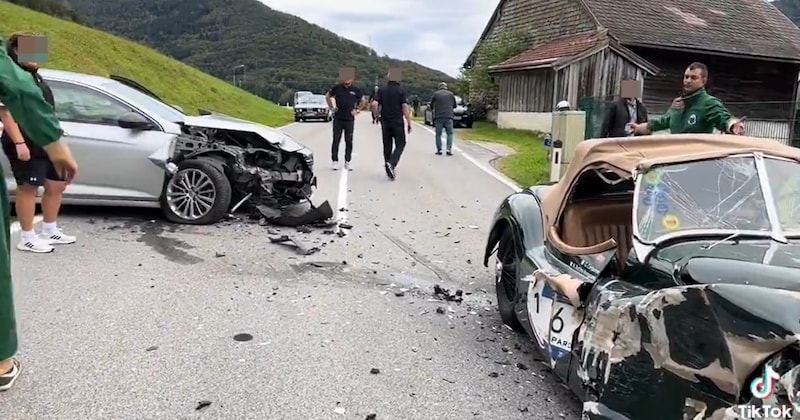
(281, 53)
(50, 7)
(790, 8)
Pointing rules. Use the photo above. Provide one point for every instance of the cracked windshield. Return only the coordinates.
(719, 194)
(392, 210)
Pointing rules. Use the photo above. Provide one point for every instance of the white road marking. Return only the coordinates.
(492, 172)
(341, 203)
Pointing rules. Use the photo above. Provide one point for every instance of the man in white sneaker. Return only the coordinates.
(33, 169)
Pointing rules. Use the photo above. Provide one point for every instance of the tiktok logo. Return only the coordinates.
(763, 386)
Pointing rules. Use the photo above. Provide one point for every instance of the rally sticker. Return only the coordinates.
(670, 222)
(652, 177)
(553, 322)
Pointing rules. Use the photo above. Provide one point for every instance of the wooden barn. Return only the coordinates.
(580, 49)
(589, 64)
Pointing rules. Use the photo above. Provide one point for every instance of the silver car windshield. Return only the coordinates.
(315, 100)
(743, 194)
(152, 105)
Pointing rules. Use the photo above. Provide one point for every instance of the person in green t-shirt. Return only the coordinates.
(23, 99)
(696, 111)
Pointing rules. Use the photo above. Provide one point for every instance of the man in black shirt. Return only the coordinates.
(347, 98)
(394, 106)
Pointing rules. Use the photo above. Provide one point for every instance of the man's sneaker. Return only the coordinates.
(390, 170)
(348, 166)
(37, 245)
(449, 153)
(7, 379)
(58, 238)
(438, 152)
(335, 165)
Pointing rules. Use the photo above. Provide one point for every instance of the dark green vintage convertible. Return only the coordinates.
(660, 277)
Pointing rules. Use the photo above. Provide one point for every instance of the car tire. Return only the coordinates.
(223, 192)
(468, 125)
(296, 119)
(508, 263)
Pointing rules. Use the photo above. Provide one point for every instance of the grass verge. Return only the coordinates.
(77, 48)
(528, 165)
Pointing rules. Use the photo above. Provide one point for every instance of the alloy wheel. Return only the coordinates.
(191, 194)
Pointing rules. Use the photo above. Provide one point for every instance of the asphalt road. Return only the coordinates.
(138, 320)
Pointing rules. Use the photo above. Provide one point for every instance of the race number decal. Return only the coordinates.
(553, 322)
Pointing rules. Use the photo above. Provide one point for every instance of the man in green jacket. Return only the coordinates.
(21, 97)
(696, 111)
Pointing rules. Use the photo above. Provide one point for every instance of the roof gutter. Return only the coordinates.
(795, 60)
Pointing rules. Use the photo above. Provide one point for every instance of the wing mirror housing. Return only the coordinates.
(134, 121)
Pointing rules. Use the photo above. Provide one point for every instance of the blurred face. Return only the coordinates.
(27, 64)
(348, 83)
(693, 79)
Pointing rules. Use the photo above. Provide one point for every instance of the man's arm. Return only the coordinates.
(406, 111)
(644, 112)
(328, 95)
(453, 100)
(376, 100)
(658, 124)
(718, 116)
(10, 125)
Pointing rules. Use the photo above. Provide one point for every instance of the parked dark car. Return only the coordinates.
(660, 277)
(462, 115)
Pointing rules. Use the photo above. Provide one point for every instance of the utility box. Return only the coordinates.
(569, 127)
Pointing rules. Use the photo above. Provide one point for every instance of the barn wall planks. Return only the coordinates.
(598, 75)
(526, 91)
(758, 89)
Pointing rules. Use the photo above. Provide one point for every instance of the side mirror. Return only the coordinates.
(134, 121)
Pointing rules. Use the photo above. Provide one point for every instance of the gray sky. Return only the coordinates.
(435, 33)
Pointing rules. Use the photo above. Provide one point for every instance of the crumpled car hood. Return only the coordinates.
(272, 135)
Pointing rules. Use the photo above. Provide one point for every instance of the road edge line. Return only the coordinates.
(283, 127)
(510, 183)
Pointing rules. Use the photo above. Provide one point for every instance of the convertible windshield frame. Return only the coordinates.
(775, 232)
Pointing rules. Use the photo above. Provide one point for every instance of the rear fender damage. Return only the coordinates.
(261, 174)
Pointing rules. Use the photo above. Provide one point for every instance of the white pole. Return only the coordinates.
(555, 161)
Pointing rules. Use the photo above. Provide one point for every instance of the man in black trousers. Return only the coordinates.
(348, 98)
(394, 107)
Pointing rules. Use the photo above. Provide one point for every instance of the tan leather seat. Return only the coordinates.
(592, 222)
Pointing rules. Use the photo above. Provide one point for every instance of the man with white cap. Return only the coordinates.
(443, 103)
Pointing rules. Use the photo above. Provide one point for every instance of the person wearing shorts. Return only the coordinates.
(33, 169)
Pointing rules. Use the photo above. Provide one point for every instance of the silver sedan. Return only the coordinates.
(135, 150)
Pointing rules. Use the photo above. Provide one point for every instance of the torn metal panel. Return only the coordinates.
(274, 172)
(639, 349)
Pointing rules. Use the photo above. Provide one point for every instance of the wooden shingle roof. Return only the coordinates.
(746, 27)
(555, 50)
(565, 50)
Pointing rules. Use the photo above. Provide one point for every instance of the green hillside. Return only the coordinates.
(281, 52)
(77, 48)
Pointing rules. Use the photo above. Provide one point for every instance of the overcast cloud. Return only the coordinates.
(435, 33)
